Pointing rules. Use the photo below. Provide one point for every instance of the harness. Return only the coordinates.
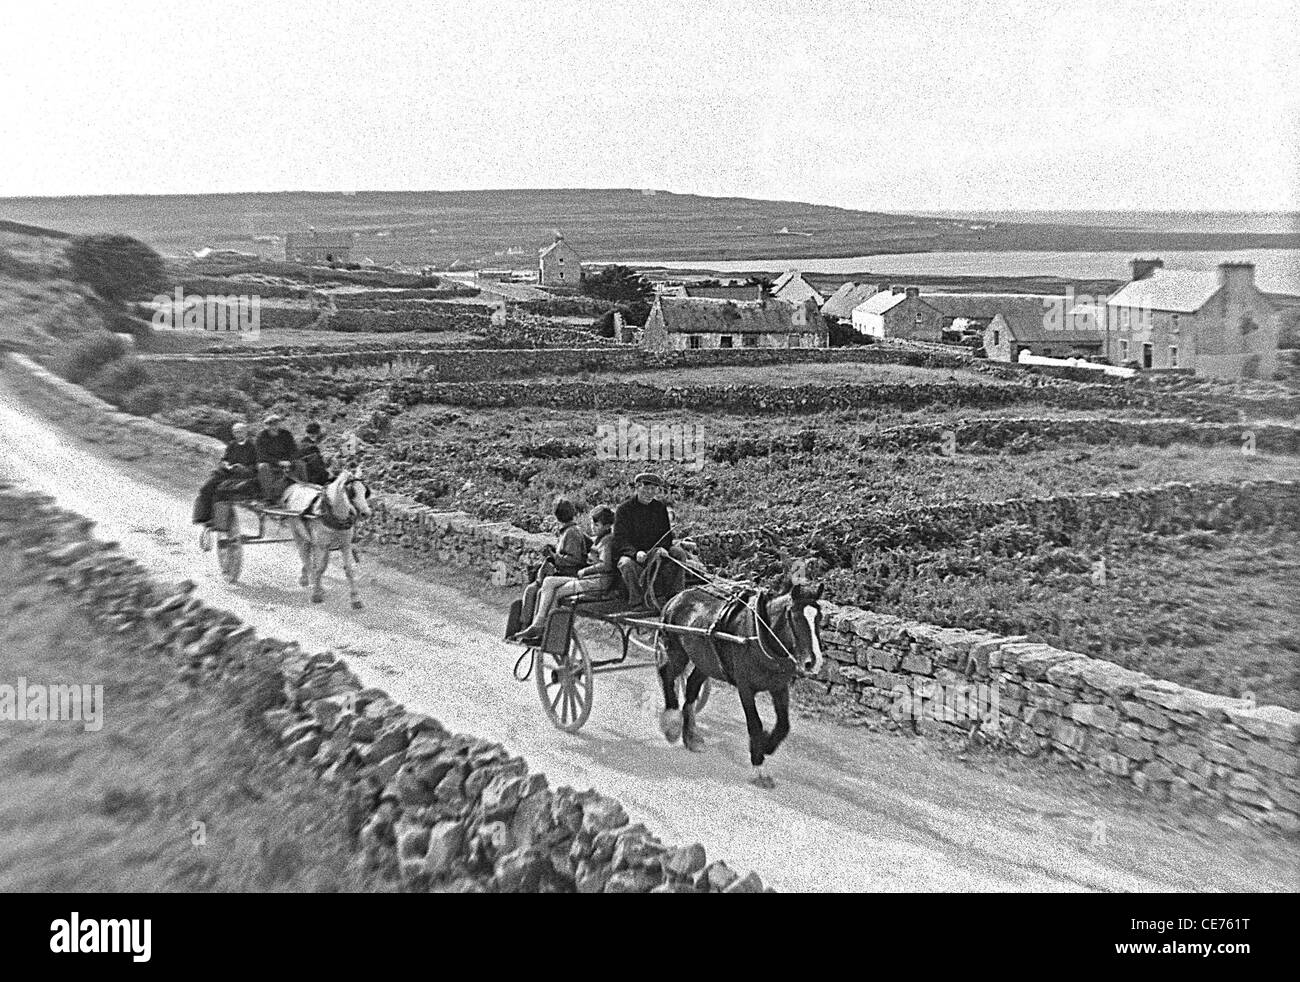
(748, 601)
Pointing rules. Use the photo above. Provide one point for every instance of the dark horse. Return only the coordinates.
(773, 637)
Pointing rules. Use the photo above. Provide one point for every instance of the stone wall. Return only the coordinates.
(470, 364)
(1168, 741)
(1164, 509)
(439, 811)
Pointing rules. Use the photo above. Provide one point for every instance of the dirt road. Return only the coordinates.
(853, 810)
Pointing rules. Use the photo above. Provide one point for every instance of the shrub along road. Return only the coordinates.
(852, 810)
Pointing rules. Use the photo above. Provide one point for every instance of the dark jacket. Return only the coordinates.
(314, 468)
(639, 528)
(273, 447)
(240, 454)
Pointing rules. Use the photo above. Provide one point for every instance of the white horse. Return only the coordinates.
(329, 517)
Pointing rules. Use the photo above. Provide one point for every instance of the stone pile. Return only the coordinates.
(440, 811)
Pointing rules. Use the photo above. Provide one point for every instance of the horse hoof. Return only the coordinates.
(357, 605)
(694, 743)
(761, 780)
(670, 722)
(303, 581)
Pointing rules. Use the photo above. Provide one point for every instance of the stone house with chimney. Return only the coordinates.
(898, 313)
(683, 323)
(1018, 322)
(839, 307)
(317, 247)
(1215, 323)
(558, 265)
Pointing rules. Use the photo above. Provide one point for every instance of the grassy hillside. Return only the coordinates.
(482, 227)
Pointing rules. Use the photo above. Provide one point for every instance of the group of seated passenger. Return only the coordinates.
(262, 467)
(623, 545)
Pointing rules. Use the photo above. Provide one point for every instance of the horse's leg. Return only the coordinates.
(676, 659)
(321, 560)
(757, 738)
(302, 541)
(345, 554)
(781, 703)
(690, 735)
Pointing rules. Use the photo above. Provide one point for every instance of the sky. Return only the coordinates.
(890, 105)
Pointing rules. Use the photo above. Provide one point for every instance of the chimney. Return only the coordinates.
(898, 289)
(1237, 277)
(1143, 268)
(913, 292)
(884, 288)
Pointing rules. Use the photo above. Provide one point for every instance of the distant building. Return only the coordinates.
(317, 247)
(677, 323)
(796, 287)
(839, 307)
(898, 314)
(738, 291)
(1215, 323)
(559, 265)
(1026, 323)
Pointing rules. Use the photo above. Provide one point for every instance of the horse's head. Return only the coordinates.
(799, 608)
(348, 496)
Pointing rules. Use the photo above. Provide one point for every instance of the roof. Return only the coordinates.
(318, 240)
(1183, 291)
(746, 291)
(1027, 316)
(848, 296)
(881, 302)
(547, 250)
(823, 287)
(689, 315)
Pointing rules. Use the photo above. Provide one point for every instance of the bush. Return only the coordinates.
(88, 355)
(846, 336)
(117, 267)
(145, 400)
(112, 382)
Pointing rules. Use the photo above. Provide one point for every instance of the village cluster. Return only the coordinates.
(1216, 323)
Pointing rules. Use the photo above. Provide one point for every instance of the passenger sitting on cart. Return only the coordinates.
(276, 450)
(310, 467)
(567, 556)
(238, 463)
(598, 579)
(643, 531)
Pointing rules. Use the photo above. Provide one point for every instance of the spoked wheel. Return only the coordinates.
(230, 557)
(565, 685)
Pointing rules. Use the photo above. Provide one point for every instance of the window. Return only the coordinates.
(726, 341)
(750, 341)
(1173, 356)
(693, 340)
(795, 340)
(997, 338)
(1174, 327)
(918, 317)
(1123, 350)
(1125, 318)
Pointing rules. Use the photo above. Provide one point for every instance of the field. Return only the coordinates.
(480, 227)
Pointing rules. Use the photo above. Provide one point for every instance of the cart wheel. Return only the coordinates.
(230, 557)
(565, 685)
